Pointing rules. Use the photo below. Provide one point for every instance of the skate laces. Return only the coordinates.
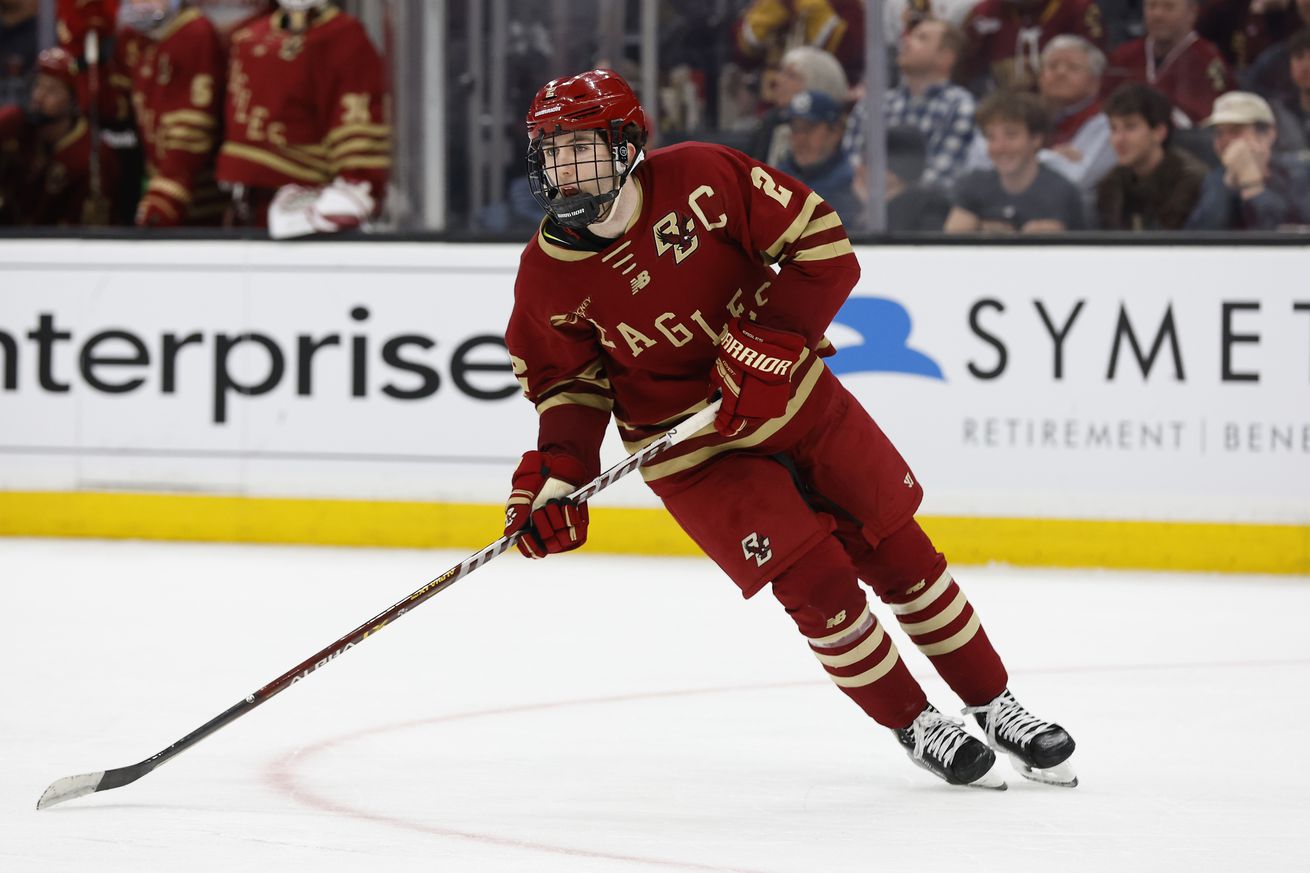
(938, 735)
(1004, 716)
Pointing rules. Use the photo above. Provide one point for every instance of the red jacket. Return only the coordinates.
(1191, 75)
(1005, 40)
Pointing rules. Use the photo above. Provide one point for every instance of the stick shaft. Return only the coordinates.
(329, 653)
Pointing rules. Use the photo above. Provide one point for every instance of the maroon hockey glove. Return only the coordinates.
(754, 371)
(539, 504)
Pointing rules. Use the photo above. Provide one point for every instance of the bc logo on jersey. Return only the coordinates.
(757, 547)
(677, 232)
(884, 327)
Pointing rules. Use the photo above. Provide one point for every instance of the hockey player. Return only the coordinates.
(45, 153)
(648, 287)
(308, 145)
(177, 67)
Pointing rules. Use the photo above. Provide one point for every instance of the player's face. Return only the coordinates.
(1067, 77)
(1169, 20)
(578, 162)
(813, 142)
(1299, 67)
(1011, 146)
(50, 97)
(1133, 140)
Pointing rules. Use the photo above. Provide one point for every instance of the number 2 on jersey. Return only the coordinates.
(765, 183)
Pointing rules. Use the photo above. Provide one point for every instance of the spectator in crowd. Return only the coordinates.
(1155, 186)
(1123, 21)
(817, 125)
(308, 146)
(912, 207)
(1268, 75)
(46, 173)
(804, 68)
(1019, 195)
(1292, 110)
(1243, 29)
(1254, 189)
(18, 43)
(1079, 146)
(1006, 37)
(177, 76)
(767, 27)
(1174, 59)
(926, 100)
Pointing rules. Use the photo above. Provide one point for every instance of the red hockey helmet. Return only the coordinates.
(58, 64)
(597, 100)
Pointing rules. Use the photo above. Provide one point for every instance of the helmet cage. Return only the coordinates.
(612, 163)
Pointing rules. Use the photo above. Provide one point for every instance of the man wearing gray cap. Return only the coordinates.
(1254, 189)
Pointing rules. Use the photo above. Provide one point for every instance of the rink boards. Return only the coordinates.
(1138, 407)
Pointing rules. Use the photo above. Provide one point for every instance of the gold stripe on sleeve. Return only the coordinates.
(793, 232)
(188, 116)
(169, 188)
(362, 163)
(274, 162)
(768, 429)
(818, 225)
(578, 398)
(825, 252)
(377, 130)
(361, 144)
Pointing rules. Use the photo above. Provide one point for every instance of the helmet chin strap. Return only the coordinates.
(581, 210)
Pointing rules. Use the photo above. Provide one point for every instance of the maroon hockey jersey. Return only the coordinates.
(1005, 39)
(633, 329)
(1191, 75)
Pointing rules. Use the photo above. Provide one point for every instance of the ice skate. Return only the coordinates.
(941, 746)
(1039, 749)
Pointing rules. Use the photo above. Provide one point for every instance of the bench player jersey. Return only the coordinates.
(304, 108)
(633, 329)
(177, 95)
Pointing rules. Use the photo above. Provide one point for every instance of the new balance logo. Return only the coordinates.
(836, 619)
(757, 547)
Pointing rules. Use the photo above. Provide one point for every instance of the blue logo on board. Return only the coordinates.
(884, 328)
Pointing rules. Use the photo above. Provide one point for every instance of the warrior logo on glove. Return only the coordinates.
(753, 371)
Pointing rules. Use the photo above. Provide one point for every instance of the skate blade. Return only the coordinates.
(990, 780)
(1061, 775)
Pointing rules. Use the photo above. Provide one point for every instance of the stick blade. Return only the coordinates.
(70, 788)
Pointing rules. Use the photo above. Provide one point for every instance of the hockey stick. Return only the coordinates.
(71, 787)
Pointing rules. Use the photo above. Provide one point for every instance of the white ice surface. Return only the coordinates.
(597, 714)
